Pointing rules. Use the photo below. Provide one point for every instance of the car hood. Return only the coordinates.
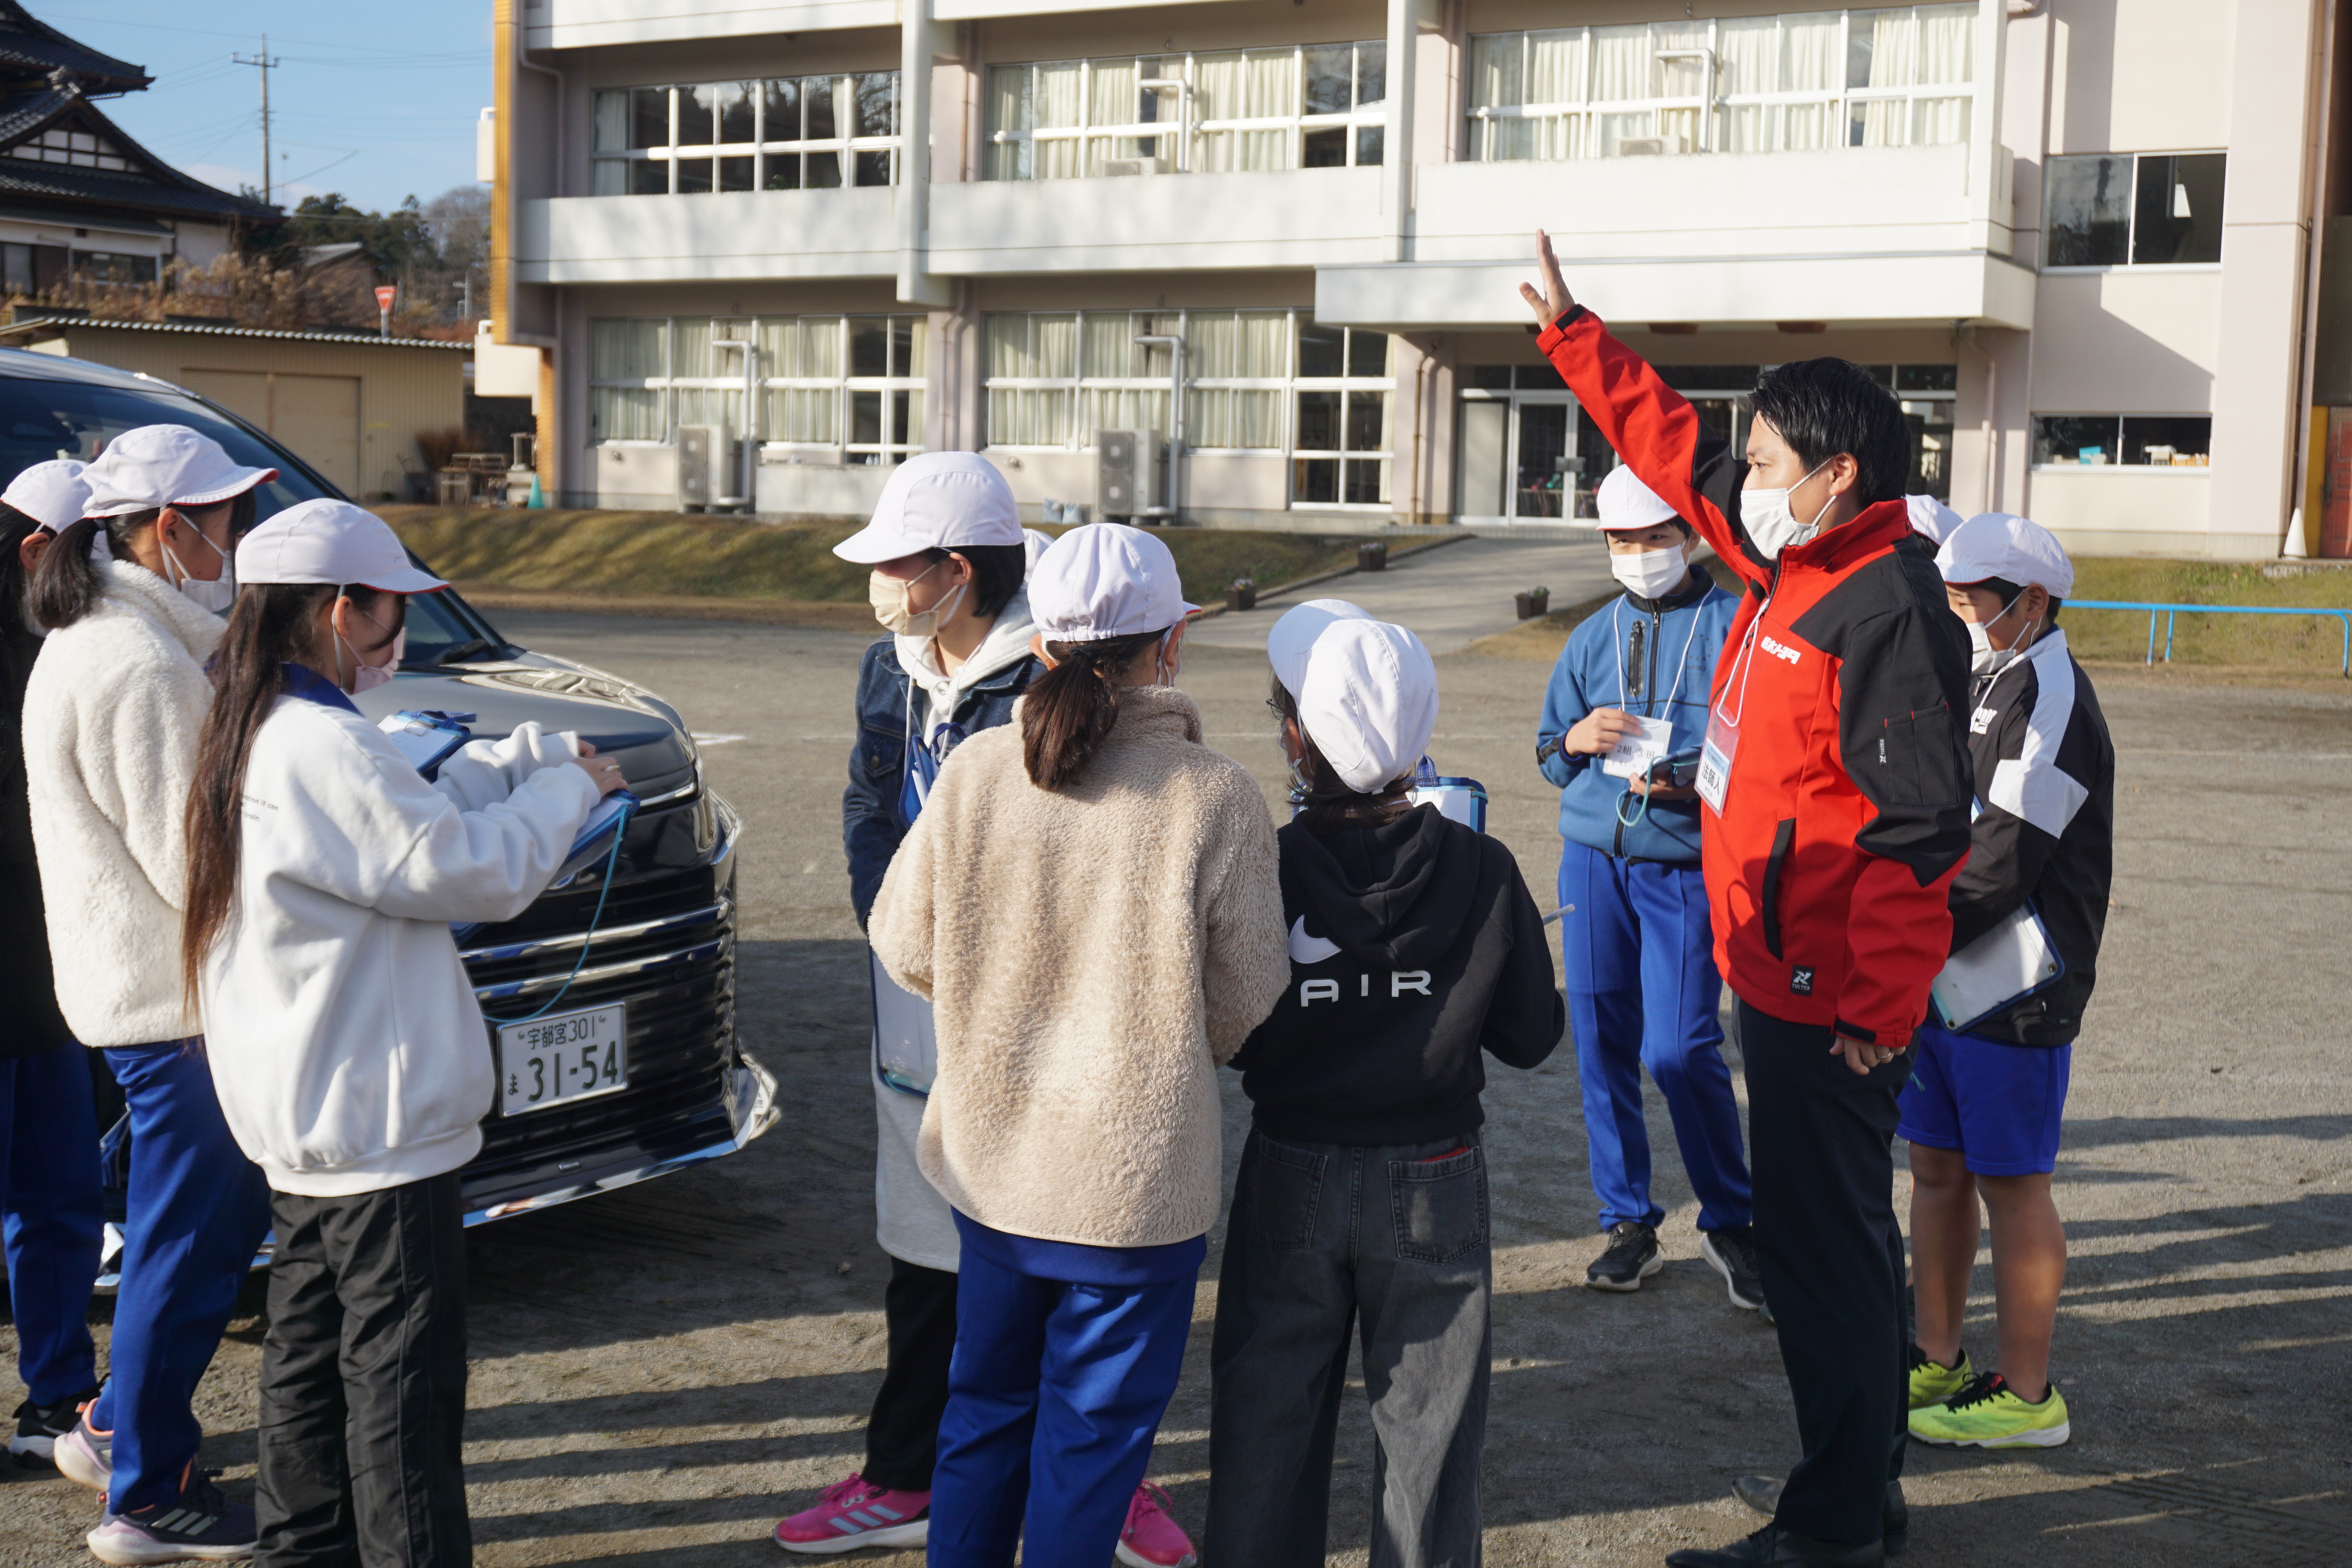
(618, 717)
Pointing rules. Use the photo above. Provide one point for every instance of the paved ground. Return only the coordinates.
(1450, 597)
(660, 1373)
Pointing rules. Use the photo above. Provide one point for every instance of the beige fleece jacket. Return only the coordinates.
(1092, 955)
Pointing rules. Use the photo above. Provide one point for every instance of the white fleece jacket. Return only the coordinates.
(347, 1047)
(1092, 954)
(111, 717)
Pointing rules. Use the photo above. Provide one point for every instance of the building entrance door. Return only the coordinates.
(1511, 457)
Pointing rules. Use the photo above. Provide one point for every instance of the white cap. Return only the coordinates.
(1106, 580)
(165, 465)
(52, 494)
(1931, 517)
(936, 501)
(333, 541)
(1293, 637)
(1036, 542)
(1624, 501)
(1369, 701)
(2001, 544)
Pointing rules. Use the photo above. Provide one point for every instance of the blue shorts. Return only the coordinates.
(2000, 1105)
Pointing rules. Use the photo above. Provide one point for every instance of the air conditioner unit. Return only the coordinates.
(1117, 166)
(1649, 146)
(1127, 464)
(709, 467)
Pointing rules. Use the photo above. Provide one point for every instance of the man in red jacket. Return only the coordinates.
(1836, 786)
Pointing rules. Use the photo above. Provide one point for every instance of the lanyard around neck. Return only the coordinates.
(1617, 644)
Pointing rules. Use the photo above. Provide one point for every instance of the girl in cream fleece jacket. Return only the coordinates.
(1089, 899)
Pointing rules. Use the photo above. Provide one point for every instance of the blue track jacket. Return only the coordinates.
(1631, 654)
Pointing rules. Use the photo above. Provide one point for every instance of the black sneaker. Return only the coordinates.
(38, 1426)
(1771, 1547)
(1630, 1258)
(1762, 1493)
(1732, 1251)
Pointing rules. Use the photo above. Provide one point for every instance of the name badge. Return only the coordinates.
(1714, 754)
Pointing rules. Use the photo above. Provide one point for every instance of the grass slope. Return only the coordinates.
(651, 555)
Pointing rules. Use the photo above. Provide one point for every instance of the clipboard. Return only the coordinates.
(905, 1050)
(2000, 969)
(594, 839)
(426, 737)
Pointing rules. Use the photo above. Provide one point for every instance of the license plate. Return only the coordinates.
(558, 1060)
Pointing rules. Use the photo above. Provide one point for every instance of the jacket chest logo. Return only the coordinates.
(1780, 649)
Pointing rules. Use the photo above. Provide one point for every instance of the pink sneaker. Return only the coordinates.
(1152, 1539)
(854, 1513)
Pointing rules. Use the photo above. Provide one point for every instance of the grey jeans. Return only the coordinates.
(1322, 1233)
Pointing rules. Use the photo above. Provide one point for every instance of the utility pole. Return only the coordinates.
(264, 62)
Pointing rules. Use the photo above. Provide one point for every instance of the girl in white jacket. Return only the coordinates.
(110, 717)
(323, 873)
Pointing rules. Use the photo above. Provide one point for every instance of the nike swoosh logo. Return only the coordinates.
(1305, 949)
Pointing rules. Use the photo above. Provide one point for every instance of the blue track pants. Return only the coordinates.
(1053, 1396)
(198, 1208)
(1643, 993)
(52, 1215)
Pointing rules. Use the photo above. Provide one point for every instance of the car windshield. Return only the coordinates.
(41, 419)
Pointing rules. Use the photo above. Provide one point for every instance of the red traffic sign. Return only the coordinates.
(385, 294)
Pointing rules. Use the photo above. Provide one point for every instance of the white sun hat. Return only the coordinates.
(333, 541)
(2002, 544)
(53, 494)
(1106, 580)
(1624, 501)
(936, 501)
(165, 465)
(1931, 517)
(1369, 701)
(1290, 640)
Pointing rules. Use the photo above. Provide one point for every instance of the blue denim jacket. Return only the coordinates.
(872, 823)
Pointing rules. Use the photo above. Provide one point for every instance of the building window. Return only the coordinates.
(76, 149)
(2127, 209)
(1254, 381)
(113, 267)
(1319, 106)
(2123, 440)
(785, 133)
(845, 388)
(1892, 77)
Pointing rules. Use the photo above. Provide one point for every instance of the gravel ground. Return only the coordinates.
(660, 1373)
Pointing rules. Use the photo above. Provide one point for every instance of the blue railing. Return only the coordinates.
(2168, 611)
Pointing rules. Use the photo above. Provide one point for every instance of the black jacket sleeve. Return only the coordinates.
(1903, 684)
(878, 760)
(1526, 1016)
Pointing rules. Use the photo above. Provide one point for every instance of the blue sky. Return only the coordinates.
(376, 101)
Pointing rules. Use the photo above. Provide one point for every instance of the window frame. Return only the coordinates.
(847, 146)
(2033, 437)
(1184, 129)
(1710, 106)
(2131, 224)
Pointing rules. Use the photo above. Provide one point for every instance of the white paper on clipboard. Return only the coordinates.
(2006, 964)
(906, 1051)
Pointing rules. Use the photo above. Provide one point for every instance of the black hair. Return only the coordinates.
(15, 529)
(1067, 712)
(66, 584)
(997, 572)
(1330, 803)
(2009, 591)
(1825, 407)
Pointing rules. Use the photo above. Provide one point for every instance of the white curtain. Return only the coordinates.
(1948, 42)
(1009, 114)
(1810, 45)
(711, 405)
(1940, 122)
(1112, 99)
(612, 122)
(1108, 348)
(1121, 408)
(1236, 345)
(627, 413)
(1028, 417)
(803, 415)
(690, 347)
(610, 177)
(1497, 70)
(1620, 64)
(1059, 103)
(627, 351)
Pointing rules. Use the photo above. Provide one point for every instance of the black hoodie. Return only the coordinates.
(1413, 946)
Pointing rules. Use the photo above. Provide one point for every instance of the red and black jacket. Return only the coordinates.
(1845, 816)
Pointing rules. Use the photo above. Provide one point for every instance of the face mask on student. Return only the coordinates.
(1986, 659)
(368, 677)
(1653, 574)
(216, 595)
(1771, 526)
(889, 597)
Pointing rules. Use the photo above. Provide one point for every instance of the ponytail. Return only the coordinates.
(67, 582)
(1067, 712)
(271, 626)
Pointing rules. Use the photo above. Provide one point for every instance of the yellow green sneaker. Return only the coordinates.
(1986, 1414)
(1932, 1382)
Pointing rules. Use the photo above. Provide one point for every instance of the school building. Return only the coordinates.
(763, 250)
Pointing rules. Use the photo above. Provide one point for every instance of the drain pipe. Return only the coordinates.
(1175, 347)
(1990, 433)
(746, 471)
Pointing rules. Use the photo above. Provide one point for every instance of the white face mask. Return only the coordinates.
(368, 677)
(889, 597)
(1986, 659)
(216, 595)
(1771, 526)
(1652, 574)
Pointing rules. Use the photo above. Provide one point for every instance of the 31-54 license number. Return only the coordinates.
(556, 1061)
